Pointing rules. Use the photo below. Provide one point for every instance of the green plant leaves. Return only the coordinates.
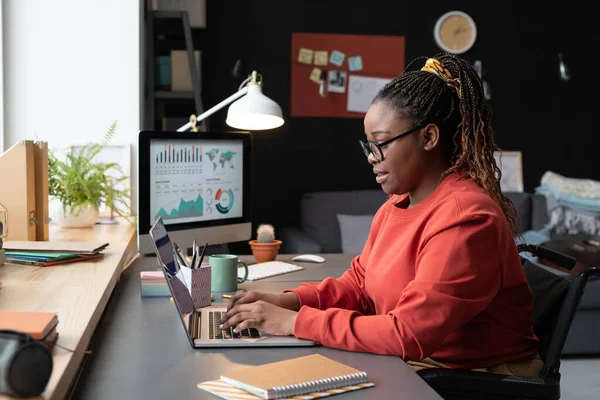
(78, 180)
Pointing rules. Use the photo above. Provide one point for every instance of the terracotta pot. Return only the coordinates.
(264, 252)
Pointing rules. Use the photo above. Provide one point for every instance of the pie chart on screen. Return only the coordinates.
(224, 200)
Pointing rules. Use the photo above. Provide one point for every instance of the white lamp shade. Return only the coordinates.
(254, 111)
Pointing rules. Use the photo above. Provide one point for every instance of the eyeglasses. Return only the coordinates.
(376, 148)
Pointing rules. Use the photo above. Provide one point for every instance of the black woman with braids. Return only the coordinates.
(439, 281)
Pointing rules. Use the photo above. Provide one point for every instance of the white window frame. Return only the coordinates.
(2, 124)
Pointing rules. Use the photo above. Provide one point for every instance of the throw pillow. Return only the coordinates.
(354, 230)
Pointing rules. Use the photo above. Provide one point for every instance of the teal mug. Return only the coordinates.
(224, 272)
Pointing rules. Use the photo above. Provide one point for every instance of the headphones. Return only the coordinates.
(25, 364)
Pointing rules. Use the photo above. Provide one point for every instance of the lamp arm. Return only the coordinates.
(216, 108)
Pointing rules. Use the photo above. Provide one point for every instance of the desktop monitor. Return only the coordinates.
(198, 182)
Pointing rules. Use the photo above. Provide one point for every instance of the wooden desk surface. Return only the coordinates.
(78, 292)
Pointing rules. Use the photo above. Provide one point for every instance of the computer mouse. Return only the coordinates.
(309, 258)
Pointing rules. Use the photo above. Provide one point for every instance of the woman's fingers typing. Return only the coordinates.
(234, 300)
(238, 308)
(236, 319)
(248, 323)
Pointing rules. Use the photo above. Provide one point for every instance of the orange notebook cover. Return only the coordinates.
(38, 325)
(294, 377)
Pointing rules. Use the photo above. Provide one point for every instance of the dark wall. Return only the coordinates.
(550, 121)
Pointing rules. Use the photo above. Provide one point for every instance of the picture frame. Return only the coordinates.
(511, 166)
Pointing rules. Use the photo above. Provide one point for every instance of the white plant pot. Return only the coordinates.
(83, 217)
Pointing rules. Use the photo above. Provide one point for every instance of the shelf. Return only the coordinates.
(165, 94)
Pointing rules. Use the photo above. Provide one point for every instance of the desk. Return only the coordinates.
(77, 292)
(140, 350)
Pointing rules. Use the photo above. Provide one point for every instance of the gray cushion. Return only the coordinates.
(522, 202)
(539, 212)
(354, 230)
(319, 211)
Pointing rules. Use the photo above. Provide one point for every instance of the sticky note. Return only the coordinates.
(355, 63)
(321, 57)
(305, 56)
(315, 75)
(337, 58)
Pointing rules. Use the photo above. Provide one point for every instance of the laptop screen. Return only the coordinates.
(181, 296)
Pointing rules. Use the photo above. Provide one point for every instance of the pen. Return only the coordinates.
(202, 255)
(196, 263)
(194, 254)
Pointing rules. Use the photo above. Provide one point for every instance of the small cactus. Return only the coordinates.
(265, 233)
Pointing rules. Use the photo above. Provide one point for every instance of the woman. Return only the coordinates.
(439, 282)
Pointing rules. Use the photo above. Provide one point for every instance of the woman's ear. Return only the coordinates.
(430, 137)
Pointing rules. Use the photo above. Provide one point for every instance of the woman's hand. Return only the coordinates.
(283, 300)
(261, 315)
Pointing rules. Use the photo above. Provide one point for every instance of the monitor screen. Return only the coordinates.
(198, 183)
(196, 180)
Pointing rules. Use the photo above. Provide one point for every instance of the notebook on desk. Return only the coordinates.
(82, 248)
(268, 269)
(47, 259)
(311, 376)
(37, 324)
(202, 325)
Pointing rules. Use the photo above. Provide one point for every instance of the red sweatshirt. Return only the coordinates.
(442, 279)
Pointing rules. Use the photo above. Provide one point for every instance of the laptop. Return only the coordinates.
(202, 325)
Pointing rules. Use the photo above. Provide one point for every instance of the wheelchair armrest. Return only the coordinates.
(453, 383)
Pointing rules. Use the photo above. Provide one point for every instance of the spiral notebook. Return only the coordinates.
(310, 376)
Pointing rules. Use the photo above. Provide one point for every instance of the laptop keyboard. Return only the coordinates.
(215, 333)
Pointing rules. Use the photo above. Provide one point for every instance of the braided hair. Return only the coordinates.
(458, 108)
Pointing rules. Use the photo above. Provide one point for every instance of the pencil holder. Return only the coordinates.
(181, 294)
(192, 287)
(201, 287)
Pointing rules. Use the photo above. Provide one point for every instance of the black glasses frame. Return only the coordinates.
(367, 145)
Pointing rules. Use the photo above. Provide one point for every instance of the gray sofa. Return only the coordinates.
(319, 232)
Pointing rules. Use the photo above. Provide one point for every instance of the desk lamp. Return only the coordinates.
(254, 112)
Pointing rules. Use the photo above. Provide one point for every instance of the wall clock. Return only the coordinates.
(455, 32)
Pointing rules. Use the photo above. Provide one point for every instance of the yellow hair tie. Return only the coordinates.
(435, 67)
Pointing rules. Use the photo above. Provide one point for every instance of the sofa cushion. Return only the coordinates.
(319, 211)
(354, 230)
(522, 202)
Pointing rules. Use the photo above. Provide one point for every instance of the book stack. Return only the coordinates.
(309, 377)
(154, 284)
(45, 254)
(41, 326)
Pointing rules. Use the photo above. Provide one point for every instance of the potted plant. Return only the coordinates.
(81, 184)
(265, 247)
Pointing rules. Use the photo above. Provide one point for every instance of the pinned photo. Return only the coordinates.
(336, 83)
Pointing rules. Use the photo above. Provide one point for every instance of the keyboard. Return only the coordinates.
(215, 333)
(268, 269)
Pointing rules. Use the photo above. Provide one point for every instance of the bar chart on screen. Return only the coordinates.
(196, 182)
(170, 154)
